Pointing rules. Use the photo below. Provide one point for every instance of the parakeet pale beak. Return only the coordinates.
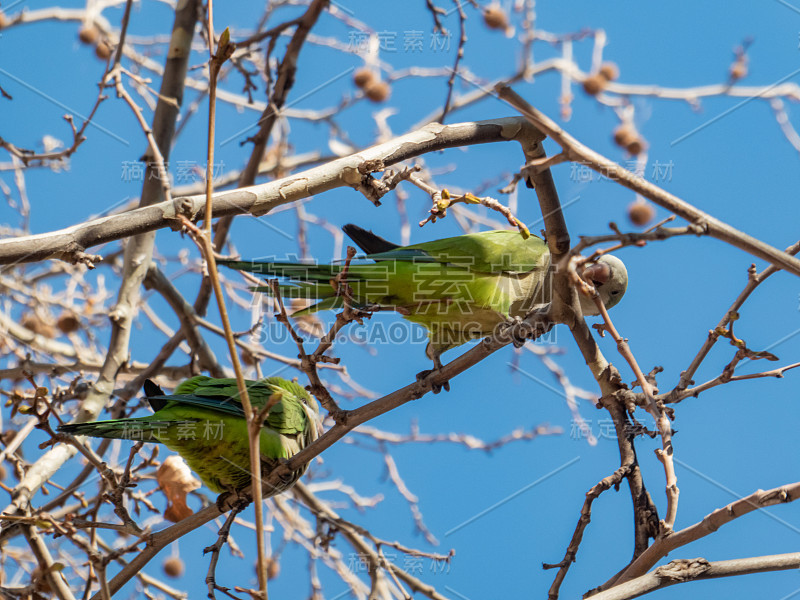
(598, 273)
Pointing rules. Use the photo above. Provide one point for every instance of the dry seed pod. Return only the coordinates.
(594, 84)
(609, 71)
(89, 34)
(640, 212)
(636, 146)
(624, 135)
(363, 77)
(173, 567)
(495, 17)
(273, 568)
(35, 323)
(68, 322)
(103, 50)
(378, 91)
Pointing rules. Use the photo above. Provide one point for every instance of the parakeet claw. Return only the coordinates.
(232, 499)
(435, 387)
(287, 478)
(222, 500)
(437, 366)
(514, 325)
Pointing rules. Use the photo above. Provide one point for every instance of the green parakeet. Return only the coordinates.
(204, 422)
(459, 288)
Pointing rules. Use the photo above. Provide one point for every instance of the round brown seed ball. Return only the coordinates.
(641, 213)
(378, 91)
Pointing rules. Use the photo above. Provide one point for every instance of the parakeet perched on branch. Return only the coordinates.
(459, 288)
(204, 422)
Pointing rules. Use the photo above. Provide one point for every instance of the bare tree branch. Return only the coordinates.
(352, 171)
(577, 152)
(711, 523)
(686, 570)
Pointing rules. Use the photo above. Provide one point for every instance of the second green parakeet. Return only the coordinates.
(204, 422)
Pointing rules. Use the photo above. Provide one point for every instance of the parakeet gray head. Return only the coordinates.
(610, 278)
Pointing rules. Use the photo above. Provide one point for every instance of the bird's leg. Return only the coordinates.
(222, 500)
(284, 480)
(437, 366)
(287, 478)
(234, 498)
(517, 331)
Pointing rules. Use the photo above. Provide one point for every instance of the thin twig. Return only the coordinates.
(223, 52)
(604, 484)
(216, 548)
(577, 152)
(659, 414)
(754, 279)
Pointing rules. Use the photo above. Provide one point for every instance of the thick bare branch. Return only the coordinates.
(579, 153)
(351, 171)
(710, 524)
(565, 308)
(157, 280)
(686, 570)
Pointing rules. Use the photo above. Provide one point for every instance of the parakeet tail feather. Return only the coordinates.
(117, 429)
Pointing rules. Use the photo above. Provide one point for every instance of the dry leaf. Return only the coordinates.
(176, 480)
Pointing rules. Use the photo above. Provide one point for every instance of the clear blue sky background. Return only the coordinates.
(739, 167)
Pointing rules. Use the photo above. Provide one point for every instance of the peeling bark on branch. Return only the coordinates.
(681, 571)
(258, 200)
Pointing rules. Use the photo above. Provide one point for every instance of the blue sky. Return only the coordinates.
(736, 164)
